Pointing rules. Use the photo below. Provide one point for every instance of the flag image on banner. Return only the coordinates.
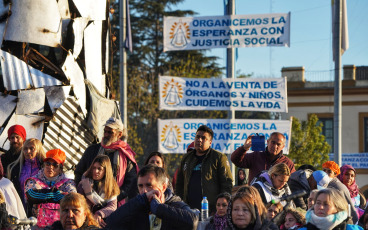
(175, 135)
(245, 94)
(229, 31)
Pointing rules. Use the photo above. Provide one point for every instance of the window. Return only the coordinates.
(365, 135)
(363, 132)
(327, 130)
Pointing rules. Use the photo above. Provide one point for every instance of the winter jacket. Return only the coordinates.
(268, 193)
(134, 215)
(216, 176)
(9, 157)
(257, 162)
(339, 186)
(299, 181)
(127, 189)
(46, 196)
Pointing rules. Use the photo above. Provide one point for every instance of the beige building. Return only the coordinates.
(305, 98)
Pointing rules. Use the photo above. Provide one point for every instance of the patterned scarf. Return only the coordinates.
(353, 188)
(220, 222)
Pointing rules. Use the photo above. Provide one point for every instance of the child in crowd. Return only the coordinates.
(292, 219)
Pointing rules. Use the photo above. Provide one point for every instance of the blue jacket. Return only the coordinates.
(134, 215)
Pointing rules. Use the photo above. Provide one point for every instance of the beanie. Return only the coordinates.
(19, 130)
(333, 166)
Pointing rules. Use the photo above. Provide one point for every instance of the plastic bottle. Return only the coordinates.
(204, 209)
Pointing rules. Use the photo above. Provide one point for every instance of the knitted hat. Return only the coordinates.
(333, 166)
(19, 130)
(114, 123)
(57, 155)
(321, 178)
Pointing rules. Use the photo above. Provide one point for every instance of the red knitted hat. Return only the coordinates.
(17, 129)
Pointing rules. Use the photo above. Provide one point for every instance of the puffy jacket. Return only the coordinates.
(299, 181)
(134, 215)
(216, 176)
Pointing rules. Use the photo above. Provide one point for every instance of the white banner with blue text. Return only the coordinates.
(235, 31)
(175, 135)
(245, 94)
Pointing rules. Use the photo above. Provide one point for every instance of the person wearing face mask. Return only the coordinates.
(45, 190)
(272, 185)
(74, 214)
(122, 159)
(100, 188)
(27, 165)
(219, 220)
(156, 207)
(330, 212)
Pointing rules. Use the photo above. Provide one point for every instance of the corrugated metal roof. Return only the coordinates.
(68, 131)
(18, 75)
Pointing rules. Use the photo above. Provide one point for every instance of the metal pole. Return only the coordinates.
(337, 90)
(230, 73)
(123, 63)
(230, 55)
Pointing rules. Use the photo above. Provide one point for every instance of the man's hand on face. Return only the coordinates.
(156, 194)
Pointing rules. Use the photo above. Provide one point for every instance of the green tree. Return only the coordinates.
(308, 145)
(146, 63)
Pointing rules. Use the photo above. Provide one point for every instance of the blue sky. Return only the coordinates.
(311, 37)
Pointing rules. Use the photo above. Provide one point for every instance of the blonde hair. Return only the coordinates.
(77, 200)
(2, 198)
(41, 155)
(279, 169)
(108, 183)
(335, 198)
(253, 192)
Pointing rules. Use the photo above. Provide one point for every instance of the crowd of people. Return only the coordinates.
(109, 191)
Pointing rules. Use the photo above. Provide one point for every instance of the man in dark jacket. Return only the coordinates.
(17, 136)
(155, 208)
(256, 161)
(121, 156)
(203, 172)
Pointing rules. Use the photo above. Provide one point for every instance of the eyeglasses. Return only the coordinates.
(48, 163)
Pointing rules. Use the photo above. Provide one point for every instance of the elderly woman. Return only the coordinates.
(330, 212)
(246, 211)
(218, 221)
(100, 188)
(27, 165)
(74, 214)
(45, 190)
(272, 185)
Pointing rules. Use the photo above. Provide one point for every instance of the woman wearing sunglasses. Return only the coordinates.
(45, 190)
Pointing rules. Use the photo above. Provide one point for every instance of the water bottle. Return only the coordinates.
(204, 209)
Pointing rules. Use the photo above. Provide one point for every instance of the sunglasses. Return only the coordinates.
(48, 163)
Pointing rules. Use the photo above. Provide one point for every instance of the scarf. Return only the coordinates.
(266, 180)
(353, 188)
(125, 152)
(328, 222)
(219, 221)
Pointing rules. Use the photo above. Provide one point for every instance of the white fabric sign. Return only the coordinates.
(192, 33)
(175, 135)
(245, 94)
